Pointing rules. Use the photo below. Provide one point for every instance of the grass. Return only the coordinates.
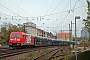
(1, 58)
(82, 56)
(69, 54)
(37, 53)
(32, 54)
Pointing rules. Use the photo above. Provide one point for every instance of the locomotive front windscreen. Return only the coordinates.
(15, 35)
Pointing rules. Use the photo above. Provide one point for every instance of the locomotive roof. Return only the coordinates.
(17, 32)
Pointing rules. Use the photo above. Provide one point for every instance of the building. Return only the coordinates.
(50, 35)
(31, 28)
(84, 33)
(41, 32)
(64, 36)
(44, 33)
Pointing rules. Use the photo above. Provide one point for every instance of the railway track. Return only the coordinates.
(52, 54)
(48, 53)
(7, 52)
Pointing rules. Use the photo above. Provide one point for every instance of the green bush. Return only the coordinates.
(69, 54)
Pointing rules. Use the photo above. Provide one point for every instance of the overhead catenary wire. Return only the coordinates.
(64, 19)
(66, 11)
(56, 6)
(53, 10)
(12, 11)
(67, 14)
(11, 19)
(47, 11)
(55, 13)
(82, 3)
(48, 15)
(63, 10)
(18, 18)
(69, 10)
(49, 7)
(59, 12)
(20, 8)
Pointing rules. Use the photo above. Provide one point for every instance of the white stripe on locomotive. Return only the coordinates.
(28, 39)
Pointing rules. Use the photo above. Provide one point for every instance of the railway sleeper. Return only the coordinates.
(52, 55)
(44, 54)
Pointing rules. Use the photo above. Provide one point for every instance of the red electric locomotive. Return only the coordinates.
(20, 39)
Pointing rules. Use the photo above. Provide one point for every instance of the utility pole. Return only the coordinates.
(65, 36)
(75, 40)
(61, 34)
(77, 17)
(71, 30)
(24, 29)
(69, 33)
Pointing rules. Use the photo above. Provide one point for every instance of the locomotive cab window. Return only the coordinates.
(15, 35)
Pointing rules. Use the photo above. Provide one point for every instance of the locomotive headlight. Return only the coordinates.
(11, 39)
(18, 39)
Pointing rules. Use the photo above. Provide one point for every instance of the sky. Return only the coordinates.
(49, 15)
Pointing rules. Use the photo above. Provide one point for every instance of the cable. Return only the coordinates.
(62, 12)
(82, 3)
(49, 7)
(63, 19)
(72, 11)
(47, 15)
(56, 7)
(75, 4)
(79, 7)
(5, 17)
(69, 13)
(20, 8)
(12, 11)
(65, 8)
